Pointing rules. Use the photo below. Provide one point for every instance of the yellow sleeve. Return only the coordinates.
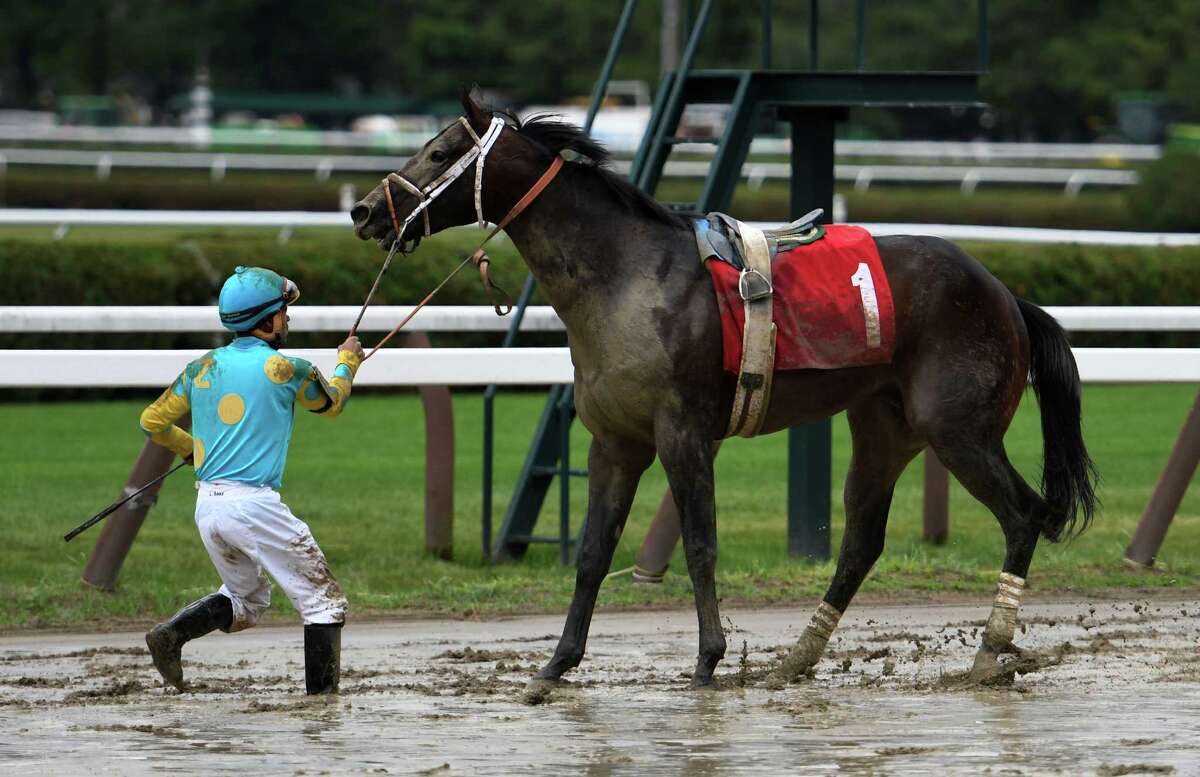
(158, 420)
(329, 398)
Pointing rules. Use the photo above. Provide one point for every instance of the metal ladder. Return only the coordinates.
(549, 452)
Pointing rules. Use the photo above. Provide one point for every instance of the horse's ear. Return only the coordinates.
(479, 116)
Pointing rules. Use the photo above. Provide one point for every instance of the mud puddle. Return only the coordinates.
(1107, 689)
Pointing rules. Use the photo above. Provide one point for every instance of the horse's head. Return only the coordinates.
(439, 187)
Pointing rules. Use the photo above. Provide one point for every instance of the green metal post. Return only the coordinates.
(656, 117)
(809, 478)
(731, 153)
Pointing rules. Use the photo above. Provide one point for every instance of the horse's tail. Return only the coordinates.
(1069, 476)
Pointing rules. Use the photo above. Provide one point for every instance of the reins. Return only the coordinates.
(477, 257)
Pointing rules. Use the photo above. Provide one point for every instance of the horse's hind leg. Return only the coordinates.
(883, 444)
(982, 466)
(614, 469)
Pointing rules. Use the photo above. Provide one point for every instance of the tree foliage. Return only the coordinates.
(1056, 68)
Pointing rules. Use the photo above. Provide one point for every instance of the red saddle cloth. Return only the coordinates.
(832, 304)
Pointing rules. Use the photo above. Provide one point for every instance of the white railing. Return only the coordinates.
(304, 318)
(216, 164)
(67, 217)
(322, 166)
(390, 367)
(27, 319)
(202, 137)
(409, 141)
(475, 366)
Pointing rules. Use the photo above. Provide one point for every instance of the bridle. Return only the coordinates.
(427, 194)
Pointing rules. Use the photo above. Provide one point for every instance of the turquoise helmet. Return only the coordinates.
(251, 294)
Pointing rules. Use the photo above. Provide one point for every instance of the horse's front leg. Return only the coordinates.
(614, 469)
(687, 456)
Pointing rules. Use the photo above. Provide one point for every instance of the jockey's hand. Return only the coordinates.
(353, 346)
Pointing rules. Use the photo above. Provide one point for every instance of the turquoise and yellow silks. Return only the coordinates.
(241, 398)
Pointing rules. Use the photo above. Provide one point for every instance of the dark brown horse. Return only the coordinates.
(641, 317)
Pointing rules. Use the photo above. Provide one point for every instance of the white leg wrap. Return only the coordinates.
(824, 621)
(1002, 624)
(811, 645)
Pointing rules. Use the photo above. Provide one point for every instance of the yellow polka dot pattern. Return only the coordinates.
(231, 408)
(197, 452)
(279, 369)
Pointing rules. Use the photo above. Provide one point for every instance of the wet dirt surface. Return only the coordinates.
(1112, 689)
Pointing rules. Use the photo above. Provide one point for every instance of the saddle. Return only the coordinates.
(719, 235)
(750, 251)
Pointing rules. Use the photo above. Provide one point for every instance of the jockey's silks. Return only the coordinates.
(241, 398)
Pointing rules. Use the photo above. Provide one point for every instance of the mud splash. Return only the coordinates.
(1099, 689)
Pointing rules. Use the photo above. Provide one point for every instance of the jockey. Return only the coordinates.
(241, 398)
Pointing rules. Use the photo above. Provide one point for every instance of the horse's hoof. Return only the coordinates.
(988, 671)
(702, 683)
(539, 690)
(775, 682)
(793, 667)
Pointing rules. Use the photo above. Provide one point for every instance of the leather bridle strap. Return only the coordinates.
(480, 259)
(427, 194)
(478, 153)
(387, 191)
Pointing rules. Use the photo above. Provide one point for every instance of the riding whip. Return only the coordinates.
(112, 508)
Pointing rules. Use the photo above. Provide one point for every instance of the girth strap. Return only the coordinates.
(753, 392)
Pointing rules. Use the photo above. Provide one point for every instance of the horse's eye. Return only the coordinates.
(437, 156)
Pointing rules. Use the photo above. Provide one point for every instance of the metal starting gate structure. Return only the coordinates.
(812, 102)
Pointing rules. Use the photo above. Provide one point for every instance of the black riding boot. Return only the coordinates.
(165, 640)
(322, 657)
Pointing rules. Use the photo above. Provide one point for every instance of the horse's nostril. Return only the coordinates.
(359, 214)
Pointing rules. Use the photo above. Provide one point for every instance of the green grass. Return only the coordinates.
(358, 481)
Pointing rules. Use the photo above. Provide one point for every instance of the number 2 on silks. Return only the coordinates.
(866, 289)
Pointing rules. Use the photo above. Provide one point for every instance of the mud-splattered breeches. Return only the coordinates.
(249, 533)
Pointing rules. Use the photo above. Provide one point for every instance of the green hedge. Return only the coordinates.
(1166, 197)
(185, 190)
(996, 205)
(332, 267)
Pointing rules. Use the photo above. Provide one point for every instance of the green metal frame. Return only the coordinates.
(812, 102)
(553, 433)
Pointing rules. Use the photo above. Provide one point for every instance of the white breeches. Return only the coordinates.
(247, 531)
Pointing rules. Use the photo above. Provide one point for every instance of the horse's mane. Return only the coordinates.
(554, 135)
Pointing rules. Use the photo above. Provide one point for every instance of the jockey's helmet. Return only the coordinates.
(251, 294)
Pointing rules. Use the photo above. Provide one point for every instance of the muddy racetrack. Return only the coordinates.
(1114, 689)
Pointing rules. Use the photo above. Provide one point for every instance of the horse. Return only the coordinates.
(641, 316)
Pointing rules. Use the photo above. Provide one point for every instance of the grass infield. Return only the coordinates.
(358, 482)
